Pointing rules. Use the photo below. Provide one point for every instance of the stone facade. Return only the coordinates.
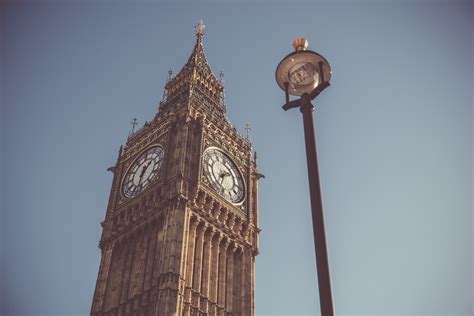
(179, 247)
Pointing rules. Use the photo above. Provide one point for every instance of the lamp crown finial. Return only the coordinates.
(300, 43)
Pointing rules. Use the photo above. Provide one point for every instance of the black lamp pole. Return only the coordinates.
(319, 234)
(284, 71)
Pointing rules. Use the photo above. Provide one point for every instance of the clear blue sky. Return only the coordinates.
(394, 136)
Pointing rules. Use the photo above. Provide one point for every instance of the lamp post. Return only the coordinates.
(305, 73)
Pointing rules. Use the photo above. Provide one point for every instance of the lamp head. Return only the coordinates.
(303, 70)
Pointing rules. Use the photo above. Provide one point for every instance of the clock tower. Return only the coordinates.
(180, 233)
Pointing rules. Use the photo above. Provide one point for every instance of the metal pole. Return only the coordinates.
(322, 262)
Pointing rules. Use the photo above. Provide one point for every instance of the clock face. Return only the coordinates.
(142, 171)
(223, 175)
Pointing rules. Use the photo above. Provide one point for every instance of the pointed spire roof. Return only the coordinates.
(197, 72)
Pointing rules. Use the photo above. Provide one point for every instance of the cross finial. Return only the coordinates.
(200, 28)
(170, 72)
(247, 131)
(134, 123)
(221, 75)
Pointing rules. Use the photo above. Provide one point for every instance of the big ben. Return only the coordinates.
(180, 234)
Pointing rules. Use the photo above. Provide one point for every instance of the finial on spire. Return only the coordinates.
(200, 28)
(247, 131)
(134, 123)
(221, 79)
(165, 91)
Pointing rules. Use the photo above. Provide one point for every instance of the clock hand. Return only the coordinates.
(144, 170)
(222, 176)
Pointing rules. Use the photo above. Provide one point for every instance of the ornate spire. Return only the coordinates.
(196, 73)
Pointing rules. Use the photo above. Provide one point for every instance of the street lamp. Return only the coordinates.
(306, 74)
